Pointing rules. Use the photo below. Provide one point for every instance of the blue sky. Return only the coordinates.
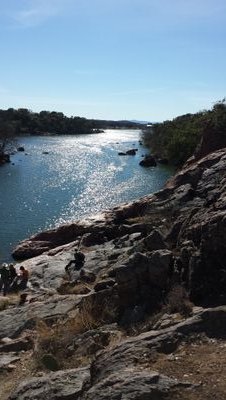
(113, 59)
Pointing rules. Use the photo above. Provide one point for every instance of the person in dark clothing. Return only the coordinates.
(23, 278)
(12, 273)
(78, 261)
(4, 283)
(75, 265)
(20, 281)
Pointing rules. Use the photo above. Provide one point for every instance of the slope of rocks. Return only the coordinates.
(152, 287)
(188, 214)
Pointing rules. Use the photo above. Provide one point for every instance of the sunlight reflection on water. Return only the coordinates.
(79, 176)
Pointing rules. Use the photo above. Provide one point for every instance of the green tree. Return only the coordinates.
(7, 141)
(179, 139)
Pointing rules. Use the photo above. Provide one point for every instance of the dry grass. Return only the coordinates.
(4, 303)
(178, 301)
(56, 339)
(11, 299)
(102, 311)
(71, 288)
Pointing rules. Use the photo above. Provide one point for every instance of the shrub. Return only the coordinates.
(178, 301)
(71, 288)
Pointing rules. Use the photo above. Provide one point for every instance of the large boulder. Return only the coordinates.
(131, 152)
(142, 279)
(148, 161)
(134, 385)
(195, 198)
(29, 248)
(206, 273)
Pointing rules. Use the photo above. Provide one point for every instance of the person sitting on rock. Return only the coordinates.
(75, 265)
(78, 261)
(23, 278)
(4, 281)
(20, 281)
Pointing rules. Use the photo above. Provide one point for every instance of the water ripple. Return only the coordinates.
(79, 176)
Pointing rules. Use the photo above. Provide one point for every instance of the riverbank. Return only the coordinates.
(4, 159)
(152, 288)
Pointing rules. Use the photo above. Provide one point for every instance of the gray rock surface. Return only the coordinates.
(143, 385)
(15, 320)
(159, 266)
(62, 385)
(7, 359)
(16, 345)
(141, 348)
(154, 241)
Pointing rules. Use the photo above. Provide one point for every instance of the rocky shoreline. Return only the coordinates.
(186, 217)
(152, 287)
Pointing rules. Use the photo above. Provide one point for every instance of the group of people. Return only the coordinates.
(11, 280)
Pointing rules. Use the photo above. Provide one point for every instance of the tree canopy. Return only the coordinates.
(6, 137)
(178, 139)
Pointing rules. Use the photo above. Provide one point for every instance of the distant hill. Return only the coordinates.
(141, 122)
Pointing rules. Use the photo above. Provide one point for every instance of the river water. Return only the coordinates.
(79, 176)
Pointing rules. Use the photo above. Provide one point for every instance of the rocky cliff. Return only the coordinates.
(144, 313)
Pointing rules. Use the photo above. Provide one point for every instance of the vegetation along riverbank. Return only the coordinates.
(198, 133)
(17, 122)
(143, 314)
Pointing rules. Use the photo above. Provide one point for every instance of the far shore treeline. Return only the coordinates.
(179, 139)
(24, 121)
(16, 122)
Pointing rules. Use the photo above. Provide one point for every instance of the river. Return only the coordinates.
(79, 176)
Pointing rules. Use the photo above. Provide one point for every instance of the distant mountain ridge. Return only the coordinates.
(135, 121)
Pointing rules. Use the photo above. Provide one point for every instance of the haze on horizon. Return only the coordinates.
(113, 59)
